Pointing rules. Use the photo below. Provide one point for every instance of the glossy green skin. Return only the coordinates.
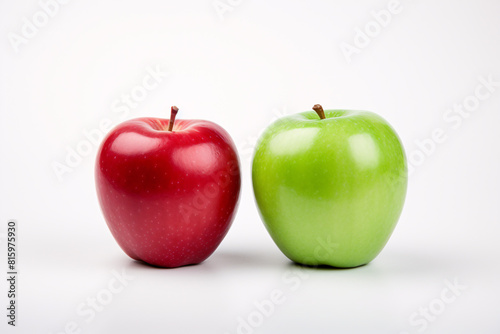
(330, 191)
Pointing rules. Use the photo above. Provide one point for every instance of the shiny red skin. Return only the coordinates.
(168, 198)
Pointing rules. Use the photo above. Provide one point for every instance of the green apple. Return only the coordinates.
(330, 185)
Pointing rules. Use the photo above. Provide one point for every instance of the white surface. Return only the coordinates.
(263, 60)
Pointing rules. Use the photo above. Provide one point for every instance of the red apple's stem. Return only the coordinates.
(173, 113)
(319, 110)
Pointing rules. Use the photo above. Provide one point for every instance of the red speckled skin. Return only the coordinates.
(168, 197)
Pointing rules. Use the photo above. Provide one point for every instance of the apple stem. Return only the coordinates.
(173, 113)
(319, 110)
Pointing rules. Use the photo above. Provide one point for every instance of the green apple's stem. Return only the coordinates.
(319, 110)
(173, 113)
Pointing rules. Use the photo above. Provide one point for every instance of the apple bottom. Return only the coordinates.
(335, 231)
(330, 253)
(167, 232)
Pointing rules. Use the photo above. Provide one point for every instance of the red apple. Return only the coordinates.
(168, 191)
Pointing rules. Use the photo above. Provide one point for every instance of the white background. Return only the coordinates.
(242, 70)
